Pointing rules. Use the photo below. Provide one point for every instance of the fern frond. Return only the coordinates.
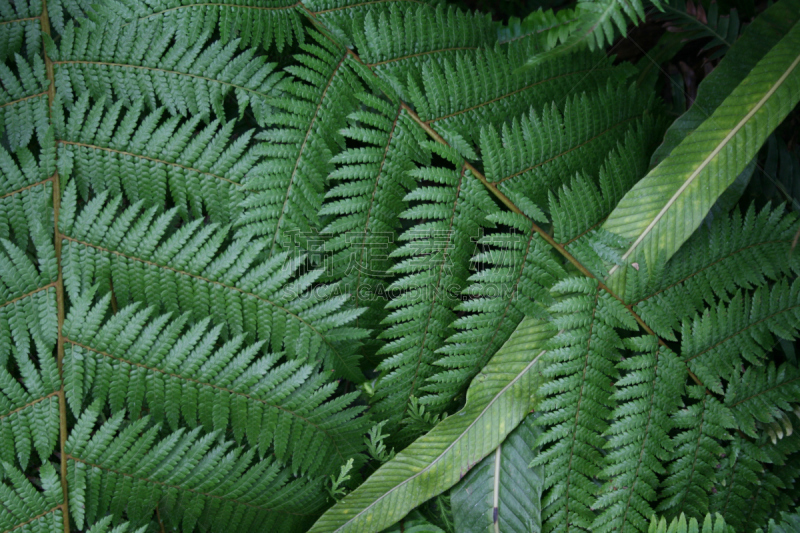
(275, 22)
(20, 28)
(502, 490)
(23, 101)
(338, 16)
(639, 444)
(450, 207)
(549, 27)
(716, 344)
(598, 22)
(363, 205)
(28, 410)
(26, 509)
(28, 295)
(763, 394)
(585, 201)
(146, 62)
(136, 360)
(458, 97)
(735, 252)
(739, 475)
(267, 300)
(682, 525)
(117, 467)
(395, 41)
(516, 270)
(697, 450)
(540, 150)
(578, 398)
(25, 193)
(285, 196)
(196, 166)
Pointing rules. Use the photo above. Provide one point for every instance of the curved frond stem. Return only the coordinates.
(18, 100)
(351, 6)
(59, 283)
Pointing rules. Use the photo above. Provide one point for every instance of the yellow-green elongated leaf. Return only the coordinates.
(498, 399)
(503, 492)
(668, 204)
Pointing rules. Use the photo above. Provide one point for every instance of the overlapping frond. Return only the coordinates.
(691, 472)
(25, 189)
(193, 270)
(196, 167)
(716, 344)
(516, 270)
(585, 201)
(663, 209)
(28, 410)
(497, 401)
(739, 475)
(397, 40)
(362, 207)
(285, 196)
(597, 24)
(147, 62)
(578, 398)
(450, 208)
(639, 444)
(27, 314)
(139, 361)
(118, 467)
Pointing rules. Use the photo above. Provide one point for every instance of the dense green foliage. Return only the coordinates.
(344, 266)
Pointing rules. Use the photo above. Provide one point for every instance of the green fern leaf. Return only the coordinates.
(188, 475)
(578, 398)
(20, 29)
(142, 62)
(639, 444)
(716, 344)
(450, 212)
(692, 469)
(200, 167)
(27, 510)
(264, 24)
(139, 361)
(266, 300)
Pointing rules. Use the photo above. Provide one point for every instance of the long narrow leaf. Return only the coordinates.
(666, 206)
(499, 398)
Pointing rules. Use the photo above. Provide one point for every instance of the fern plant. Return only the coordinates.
(274, 266)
